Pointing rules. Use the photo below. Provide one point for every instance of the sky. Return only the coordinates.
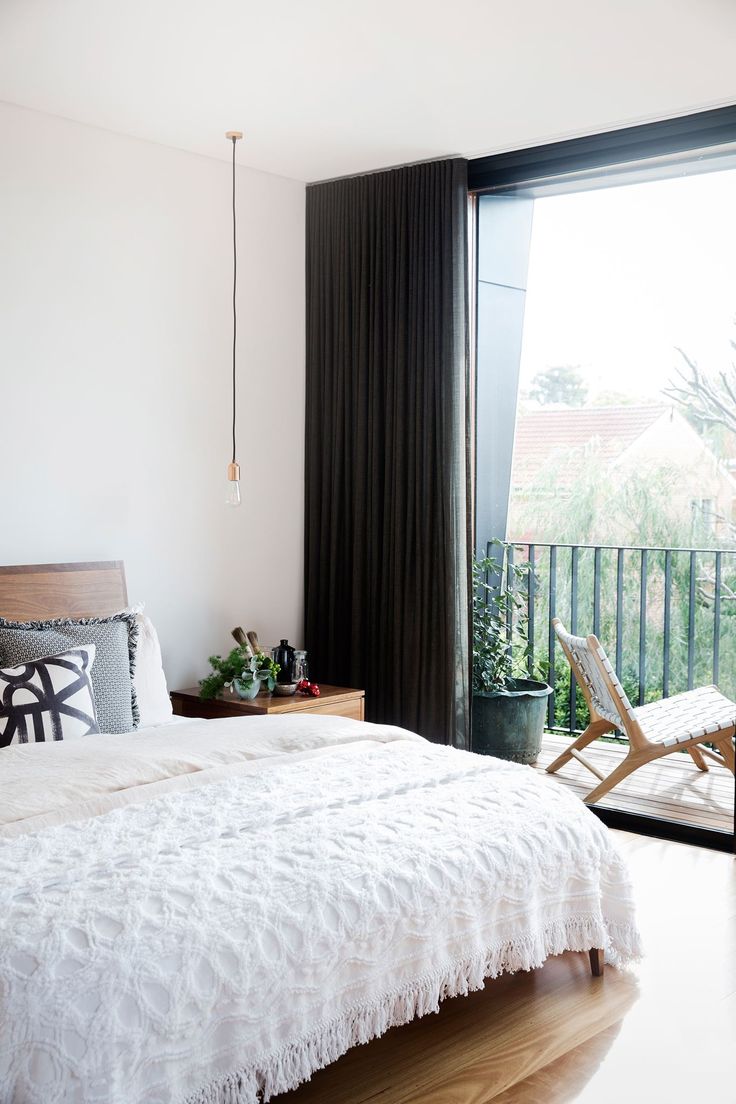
(621, 276)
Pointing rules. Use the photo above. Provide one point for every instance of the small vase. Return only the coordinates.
(246, 690)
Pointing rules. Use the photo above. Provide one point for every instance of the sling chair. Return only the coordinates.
(685, 721)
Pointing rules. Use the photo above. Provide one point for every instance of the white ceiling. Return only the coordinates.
(329, 87)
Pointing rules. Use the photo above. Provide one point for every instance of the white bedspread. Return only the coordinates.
(325, 880)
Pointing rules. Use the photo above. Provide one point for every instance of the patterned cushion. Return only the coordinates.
(50, 699)
(112, 675)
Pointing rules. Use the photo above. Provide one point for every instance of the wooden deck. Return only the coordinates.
(672, 787)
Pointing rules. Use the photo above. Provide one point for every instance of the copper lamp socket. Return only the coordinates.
(233, 472)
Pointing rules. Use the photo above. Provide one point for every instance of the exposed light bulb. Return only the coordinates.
(233, 493)
(233, 485)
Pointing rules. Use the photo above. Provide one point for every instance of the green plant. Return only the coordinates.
(500, 642)
(238, 666)
(259, 668)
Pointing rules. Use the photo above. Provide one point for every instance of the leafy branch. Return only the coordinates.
(710, 399)
(238, 665)
(501, 646)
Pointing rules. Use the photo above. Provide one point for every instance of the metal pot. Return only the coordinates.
(509, 723)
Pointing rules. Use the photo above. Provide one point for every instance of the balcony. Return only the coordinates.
(667, 619)
(669, 789)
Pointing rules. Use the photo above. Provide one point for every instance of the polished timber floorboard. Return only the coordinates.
(660, 1033)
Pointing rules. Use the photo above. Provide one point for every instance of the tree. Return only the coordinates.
(637, 508)
(562, 384)
(709, 399)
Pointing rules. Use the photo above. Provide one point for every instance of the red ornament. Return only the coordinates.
(314, 689)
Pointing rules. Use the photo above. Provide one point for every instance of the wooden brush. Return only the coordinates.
(243, 641)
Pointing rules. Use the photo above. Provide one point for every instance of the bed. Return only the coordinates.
(206, 912)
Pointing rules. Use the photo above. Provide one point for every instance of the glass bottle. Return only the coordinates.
(284, 656)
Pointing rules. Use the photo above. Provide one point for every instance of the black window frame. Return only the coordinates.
(644, 142)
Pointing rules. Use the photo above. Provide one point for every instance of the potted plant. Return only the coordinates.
(508, 708)
(245, 672)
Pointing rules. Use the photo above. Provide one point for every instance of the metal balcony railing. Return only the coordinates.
(666, 617)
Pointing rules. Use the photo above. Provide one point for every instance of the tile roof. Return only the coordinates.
(540, 434)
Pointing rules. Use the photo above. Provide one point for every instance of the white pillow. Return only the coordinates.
(149, 680)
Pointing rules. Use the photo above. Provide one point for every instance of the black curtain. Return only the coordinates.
(387, 444)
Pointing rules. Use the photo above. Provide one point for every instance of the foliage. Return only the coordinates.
(561, 686)
(640, 508)
(562, 385)
(238, 666)
(259, 668)
(684, 665)
(500, 620)
(709, 398)
(575, 501)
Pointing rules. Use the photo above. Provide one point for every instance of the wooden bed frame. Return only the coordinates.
(37, 592)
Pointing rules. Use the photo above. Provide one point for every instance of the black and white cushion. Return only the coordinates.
(48, 699)
(115, 638)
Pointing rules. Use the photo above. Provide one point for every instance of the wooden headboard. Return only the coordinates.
(35, 592)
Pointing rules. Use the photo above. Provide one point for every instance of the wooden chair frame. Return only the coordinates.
(641, 750)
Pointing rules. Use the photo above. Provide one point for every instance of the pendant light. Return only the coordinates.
(233, 468)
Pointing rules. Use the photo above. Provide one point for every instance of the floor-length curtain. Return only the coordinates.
(387, 444)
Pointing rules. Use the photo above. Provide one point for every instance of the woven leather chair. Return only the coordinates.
(686, 721)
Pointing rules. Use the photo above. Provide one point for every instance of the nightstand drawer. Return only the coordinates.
(352, 708)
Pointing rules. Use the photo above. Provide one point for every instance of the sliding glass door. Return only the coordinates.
(606, 430)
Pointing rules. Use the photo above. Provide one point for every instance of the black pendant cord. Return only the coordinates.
(235, 281)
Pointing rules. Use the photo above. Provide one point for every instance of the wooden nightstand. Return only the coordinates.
(336, 701)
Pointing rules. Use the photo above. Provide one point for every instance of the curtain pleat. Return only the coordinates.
(387, 544)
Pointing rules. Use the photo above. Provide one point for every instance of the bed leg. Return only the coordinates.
(597, 961)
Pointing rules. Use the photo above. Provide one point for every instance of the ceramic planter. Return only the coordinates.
(247, 690)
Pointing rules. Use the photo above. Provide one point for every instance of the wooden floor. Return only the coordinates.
(671, 787)
(659, 1033)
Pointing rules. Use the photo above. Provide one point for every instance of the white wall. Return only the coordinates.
(115, 346)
